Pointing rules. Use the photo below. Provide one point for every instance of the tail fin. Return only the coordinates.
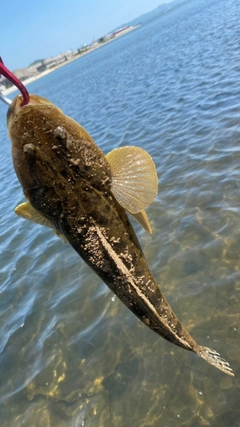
(214, 358)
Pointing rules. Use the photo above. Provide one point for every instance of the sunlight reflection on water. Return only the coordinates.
(71, 354)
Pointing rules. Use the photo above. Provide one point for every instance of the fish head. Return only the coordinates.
(53, 156)
(16, 106)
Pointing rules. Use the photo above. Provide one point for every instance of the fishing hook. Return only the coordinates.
(13, 79)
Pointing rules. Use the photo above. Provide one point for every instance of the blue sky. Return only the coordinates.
(36, 29)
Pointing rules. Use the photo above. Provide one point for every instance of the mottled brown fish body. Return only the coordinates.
(67, 178)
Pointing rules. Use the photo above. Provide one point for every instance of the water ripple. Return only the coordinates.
(70, 353)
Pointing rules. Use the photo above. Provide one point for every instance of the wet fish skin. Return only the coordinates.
(67, 179)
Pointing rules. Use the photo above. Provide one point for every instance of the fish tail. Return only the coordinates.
(214, 358)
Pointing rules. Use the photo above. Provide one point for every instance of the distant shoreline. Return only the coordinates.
(44, 73)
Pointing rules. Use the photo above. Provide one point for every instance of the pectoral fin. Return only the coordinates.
(134, 179)
(27, 211)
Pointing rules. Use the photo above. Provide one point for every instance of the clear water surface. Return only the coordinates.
(71, 354)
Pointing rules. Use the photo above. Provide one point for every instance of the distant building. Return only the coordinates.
(120, 31)
(48, 63)
(39, 67)
(25, 73)
(117, 33)
(68, 55)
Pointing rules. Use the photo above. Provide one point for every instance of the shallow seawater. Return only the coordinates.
(71, 354)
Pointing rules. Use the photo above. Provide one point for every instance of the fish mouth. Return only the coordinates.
(16, 106)
(13, 110)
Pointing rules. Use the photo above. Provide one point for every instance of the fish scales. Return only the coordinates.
(67, 179)
(81, 220)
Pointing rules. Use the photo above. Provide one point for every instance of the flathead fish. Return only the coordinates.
(72, 187)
